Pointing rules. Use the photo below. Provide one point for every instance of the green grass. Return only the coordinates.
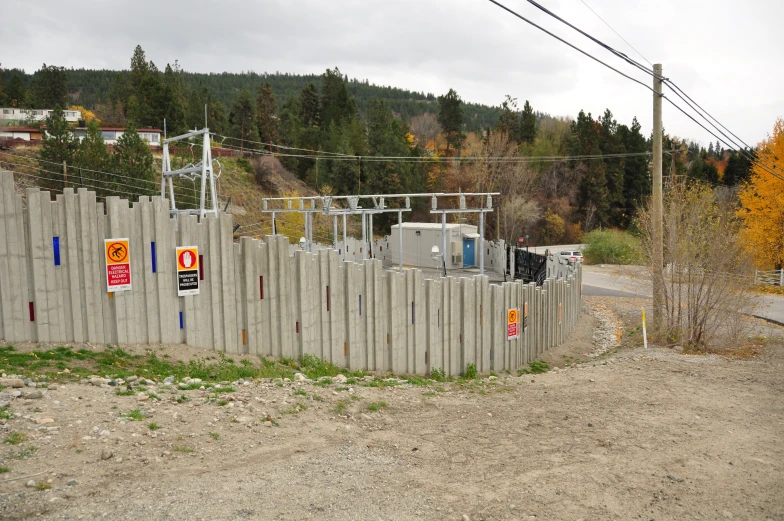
(214, 435)
(221, 403)
(124, 392)
(4, 470)
(5, 413)
(181, 399)
(300, 392)
(190, 386)
(438, 375)
(429, 393)
(340, 407)
(43, 486)
(153, 426)
(15, 438)
(470, 372)
(535, 367)
(183, 448)
(375, 406)
(25, 453)
(135, 415)
(611, 247)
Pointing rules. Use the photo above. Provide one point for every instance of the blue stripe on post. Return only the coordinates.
(56, 246)
(181, 320)
(154, 258)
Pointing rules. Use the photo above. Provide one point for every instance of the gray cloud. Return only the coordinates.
(723, 54)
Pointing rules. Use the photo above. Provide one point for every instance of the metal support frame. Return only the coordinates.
(378, 206)
(203, 169)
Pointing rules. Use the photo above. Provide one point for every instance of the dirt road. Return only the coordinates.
(630, 434)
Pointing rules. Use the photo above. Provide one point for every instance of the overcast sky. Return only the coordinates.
(727, 55)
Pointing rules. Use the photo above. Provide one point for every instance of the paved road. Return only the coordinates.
(771, 307)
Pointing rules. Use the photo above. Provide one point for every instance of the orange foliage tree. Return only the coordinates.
(762, 203)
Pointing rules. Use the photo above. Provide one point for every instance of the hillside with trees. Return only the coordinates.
(559, 177)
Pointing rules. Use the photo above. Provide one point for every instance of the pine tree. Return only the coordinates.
(527, 124)
(59, 145)
(3, 97)
(132, 159)
(139, 66)
(50, 87)
(636, 178)
(266, 115)
(450, 117)
(509, 119)
(93, 157)
(242, 119)
(592, 193)
(309, 106)
(336, 104)
(609, 145)
(16, 92)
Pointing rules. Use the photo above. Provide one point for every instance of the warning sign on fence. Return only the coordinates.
(118, 265)
(512, 323)
(187, 271)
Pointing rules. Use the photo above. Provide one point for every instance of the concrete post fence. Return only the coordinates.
(254, 296)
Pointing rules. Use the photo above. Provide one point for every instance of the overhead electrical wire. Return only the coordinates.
(616, 33)
(641, 67)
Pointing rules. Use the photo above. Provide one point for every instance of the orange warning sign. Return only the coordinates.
(187, 271)
(512, 318)
(116, 251)
(187, 258)
(118, 265)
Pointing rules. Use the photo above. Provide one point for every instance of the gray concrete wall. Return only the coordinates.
(255, 296)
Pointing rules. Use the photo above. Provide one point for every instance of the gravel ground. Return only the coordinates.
(612, 432)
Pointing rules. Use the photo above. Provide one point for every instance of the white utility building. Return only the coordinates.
(462, 241)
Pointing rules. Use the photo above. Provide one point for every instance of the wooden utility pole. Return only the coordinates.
(657, 202)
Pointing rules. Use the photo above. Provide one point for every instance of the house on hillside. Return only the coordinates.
(31, 136)
(16, 116)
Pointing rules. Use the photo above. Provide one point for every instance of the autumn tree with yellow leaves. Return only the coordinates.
(762, 203)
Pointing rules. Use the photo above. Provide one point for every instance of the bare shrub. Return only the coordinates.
(705, 276)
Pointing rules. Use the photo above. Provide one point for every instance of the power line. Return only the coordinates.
(616, 33)
(639, 66)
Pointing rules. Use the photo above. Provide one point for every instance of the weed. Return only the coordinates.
(219, 389)
(316, 398)
(135, 415)
(300, 392)
(535, 367)
(25, 453)
(438, 375)
(183, 448)
(340, 407)
(124, 392)
(4, 470)
(375, 406)
(429, 393)
(441, 389)
(355, 397)
(5, 413)
(314, 368)
(418, 380)
(153, 426)
(297, 407)
(279, 384)
(470, 372)
(190, 386)
(181, 399)
(222, 402)
(214, 435)
(43, 486)
(341, 388)
(79, 451)
(15, 438)
(351, 381)
(153, 396)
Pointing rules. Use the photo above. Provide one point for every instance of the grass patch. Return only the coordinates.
(611, 247)
(214, 435)
(135, 415)
(183, 448)
(297, 407)
(438, 375)
(181, 399)
(43, 486)
(124, 392)
(190, 386)
(4, 470)
(340, 407)
(535, 367)
(376, 406)
(153, 426)
(314, 368)
(5, 413)
(300, 392)
(221, 403)
(429, 393)
(470, 372)
(25, 453)
(15, 438)
(418, 380)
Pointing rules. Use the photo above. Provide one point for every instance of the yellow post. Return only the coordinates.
(644, 332)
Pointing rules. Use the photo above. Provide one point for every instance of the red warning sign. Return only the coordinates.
(512, 323)
(118, 265)
(187, 271)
